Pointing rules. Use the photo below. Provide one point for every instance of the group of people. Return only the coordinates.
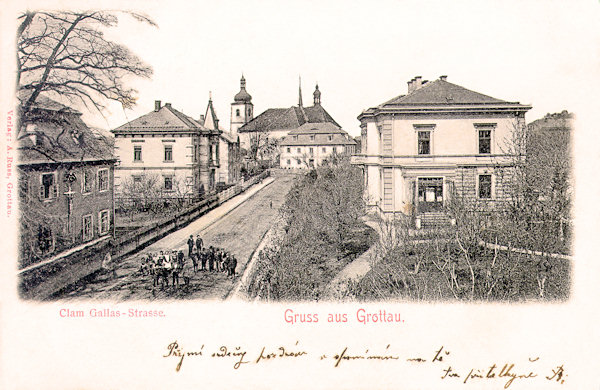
(211, 258)
(172, 264)
(164, 264)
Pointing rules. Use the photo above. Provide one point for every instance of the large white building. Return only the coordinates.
(313, 143)
(438, 139)
(169, 145)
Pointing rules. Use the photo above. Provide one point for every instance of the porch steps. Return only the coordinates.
(434, 219)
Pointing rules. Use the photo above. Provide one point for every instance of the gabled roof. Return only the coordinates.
(443, 95)
(287, 118)
(165, 119)
(55, 134)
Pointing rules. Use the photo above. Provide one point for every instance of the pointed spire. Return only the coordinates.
(210, 119)
(242, 82)
(299, 91)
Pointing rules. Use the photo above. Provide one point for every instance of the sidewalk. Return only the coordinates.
(337, 290)
(178, 239)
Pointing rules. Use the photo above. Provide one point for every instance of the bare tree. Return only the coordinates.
(66, 54)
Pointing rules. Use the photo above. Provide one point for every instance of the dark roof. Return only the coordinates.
(59, 135)
(441, 94)
(165, 119)
(287, 118)
(45, 103)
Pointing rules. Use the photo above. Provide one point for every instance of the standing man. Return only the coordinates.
(190, 243)
(198, 242)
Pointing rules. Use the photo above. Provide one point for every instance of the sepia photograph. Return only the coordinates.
(268, 171)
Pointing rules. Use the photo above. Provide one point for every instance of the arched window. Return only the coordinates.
(237, 112)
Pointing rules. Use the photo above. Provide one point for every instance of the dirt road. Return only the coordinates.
(239, 232)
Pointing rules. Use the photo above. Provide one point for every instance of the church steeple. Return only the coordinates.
(317, 95)
(241, 110)
(299, 91)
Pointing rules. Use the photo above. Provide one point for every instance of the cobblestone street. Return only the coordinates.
(239, 232)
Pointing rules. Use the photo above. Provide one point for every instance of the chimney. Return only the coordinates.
(418, 82)
(202, 118)
(156, 105)
(411, 85)
(168, 105)
(443, 78)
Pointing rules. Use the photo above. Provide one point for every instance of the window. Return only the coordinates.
(88, 232)
(168, 152)
(312, 137)
(102, 179)
(485, 187)
(311, 151)
(137, 153)
(137, 180)
(195, 157)
(168, 183)
(103, 222)
(249, 112)
(298, 161)
(48, 189)
(485, 144)
(295, 137)
(237, 112)
(330, 137)
(87, 182)
(324, 150)
(424, 142)
(288, 162)
(289, 150)
(298, 150)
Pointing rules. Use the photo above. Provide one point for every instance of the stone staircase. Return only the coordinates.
(434, 219)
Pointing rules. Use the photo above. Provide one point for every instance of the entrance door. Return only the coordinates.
(431, 194)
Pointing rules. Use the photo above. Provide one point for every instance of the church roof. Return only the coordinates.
(441, 94)
(287, 118)
(243, 95)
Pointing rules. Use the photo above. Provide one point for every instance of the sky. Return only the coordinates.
(361, 53)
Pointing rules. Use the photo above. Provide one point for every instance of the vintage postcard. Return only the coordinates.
(299, 194)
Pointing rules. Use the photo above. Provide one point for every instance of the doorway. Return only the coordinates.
(430, 194)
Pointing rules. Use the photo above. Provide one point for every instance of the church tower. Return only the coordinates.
(242, 109)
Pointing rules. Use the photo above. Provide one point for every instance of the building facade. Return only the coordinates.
(66, 176)
(229, 168)
(171, 147)
(312, 144)
(439, 139)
